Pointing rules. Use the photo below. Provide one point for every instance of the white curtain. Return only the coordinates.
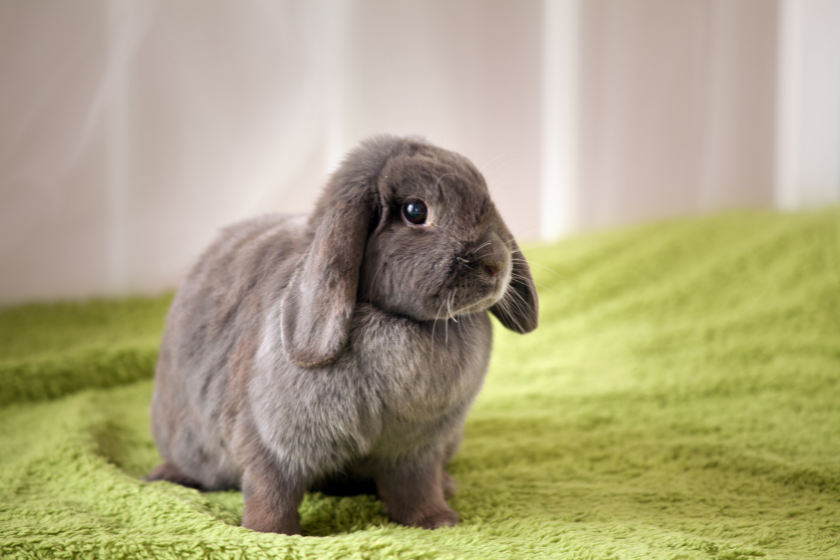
(131, 130)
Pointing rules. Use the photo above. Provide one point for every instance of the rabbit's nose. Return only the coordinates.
(492, 267)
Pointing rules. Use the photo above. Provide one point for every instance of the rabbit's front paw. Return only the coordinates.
(433, 517)
(442, 518)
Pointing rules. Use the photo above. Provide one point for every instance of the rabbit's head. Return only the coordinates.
(411, 229)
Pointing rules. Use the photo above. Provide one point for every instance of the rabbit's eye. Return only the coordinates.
(415, 212)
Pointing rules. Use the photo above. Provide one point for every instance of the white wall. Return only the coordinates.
(131, 130)
(677, 108)
(464, 73)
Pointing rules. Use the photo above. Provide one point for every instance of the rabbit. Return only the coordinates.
(346, 348)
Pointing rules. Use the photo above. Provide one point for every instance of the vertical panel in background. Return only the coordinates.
(463, 73)
(53, 192)
(559, 206)
(740, 128)
(227, 122)
(131, 131)
(808, 158)
(677, 108)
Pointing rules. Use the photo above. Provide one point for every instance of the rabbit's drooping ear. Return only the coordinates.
(317, 309)
(518, 310)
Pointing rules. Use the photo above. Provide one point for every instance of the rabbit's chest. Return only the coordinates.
(426, 391)
(421, 379)
(419, 408)
(399, 386)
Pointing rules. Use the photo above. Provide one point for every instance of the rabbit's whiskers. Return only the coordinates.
(449, 306)
(434, 326)
(532, 262)
(514, 303)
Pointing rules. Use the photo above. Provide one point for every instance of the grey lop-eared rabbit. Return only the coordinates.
(344, 348)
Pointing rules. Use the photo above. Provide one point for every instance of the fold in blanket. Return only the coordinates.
(679, 400)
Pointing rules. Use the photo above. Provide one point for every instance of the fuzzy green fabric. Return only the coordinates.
(680, 400)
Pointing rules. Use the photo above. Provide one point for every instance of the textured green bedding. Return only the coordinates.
(680, 400)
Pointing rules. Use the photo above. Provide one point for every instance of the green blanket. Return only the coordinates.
(680, 400)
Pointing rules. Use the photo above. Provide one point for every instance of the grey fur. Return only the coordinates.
(348, 346)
